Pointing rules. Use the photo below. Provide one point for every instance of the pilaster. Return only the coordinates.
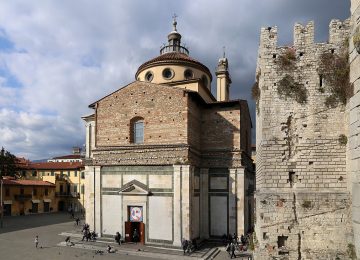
(204, 203)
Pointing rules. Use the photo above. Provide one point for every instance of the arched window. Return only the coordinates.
(137, 130)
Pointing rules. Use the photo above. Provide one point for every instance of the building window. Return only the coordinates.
(7, 192)
(168, 73)
(188, 74)
(82, 189)
(149, 76)
(35, 192)
(46, 192)
(34, 173)
(137, 130)
(75, 188)
(61, 174)
(75, 173)
(69, 173)
(52, 173)
(82, 175)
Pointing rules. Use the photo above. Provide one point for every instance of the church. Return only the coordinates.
(166, 158)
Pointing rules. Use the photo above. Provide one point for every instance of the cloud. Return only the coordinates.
(57, 57)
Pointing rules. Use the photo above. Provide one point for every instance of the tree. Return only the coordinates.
(8, 163)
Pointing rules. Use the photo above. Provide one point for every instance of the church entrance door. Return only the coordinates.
(130, 228)
(135, 225)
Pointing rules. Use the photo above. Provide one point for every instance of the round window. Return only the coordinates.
(168, 73)
(204, 80)
(188, 74)
(149, 76)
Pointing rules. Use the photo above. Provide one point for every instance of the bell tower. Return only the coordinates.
(223, 79)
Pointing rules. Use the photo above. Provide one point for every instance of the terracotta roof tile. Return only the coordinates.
(171, 57)
(56, 165)
(27, 183)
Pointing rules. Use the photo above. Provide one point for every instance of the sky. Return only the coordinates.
(57, 57)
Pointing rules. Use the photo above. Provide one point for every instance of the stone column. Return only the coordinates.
(177, 205)
(186, 201)
(98, 200)
(204, 203)
(93, 197)
(89, 195)
(237, 201)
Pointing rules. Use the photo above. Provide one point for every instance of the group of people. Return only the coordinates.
(87, 234)
(235, 243)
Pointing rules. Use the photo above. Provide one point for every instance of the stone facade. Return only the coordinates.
(303, 204)
(354, 139)
(191, 175)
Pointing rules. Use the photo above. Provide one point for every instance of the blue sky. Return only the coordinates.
(57, 57)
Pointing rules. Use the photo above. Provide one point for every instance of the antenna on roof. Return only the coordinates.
(223, 51)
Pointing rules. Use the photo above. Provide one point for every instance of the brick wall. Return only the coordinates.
(163, 109)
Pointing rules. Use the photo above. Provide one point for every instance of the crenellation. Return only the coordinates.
(338, 31)
(304, 35)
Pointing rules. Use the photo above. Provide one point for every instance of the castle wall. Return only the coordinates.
(302, 200)
(354, 123)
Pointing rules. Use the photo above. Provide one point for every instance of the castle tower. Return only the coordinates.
(223, 79)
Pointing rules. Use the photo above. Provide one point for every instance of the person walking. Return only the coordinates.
(77, 221)
(118, 238)
(135, 236)
(36, 241)
(232, 250)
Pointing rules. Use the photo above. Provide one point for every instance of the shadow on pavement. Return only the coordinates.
(15, 223)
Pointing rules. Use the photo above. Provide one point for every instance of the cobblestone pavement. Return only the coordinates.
(18, 234)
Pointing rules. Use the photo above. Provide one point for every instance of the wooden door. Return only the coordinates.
(128, 233)
(142, 232)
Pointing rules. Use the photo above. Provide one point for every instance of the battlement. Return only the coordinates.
(304, 35)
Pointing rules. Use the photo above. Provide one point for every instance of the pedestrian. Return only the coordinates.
(68, 242)
(109, 249)
(184, 244)
(232, 250)
(36, 241)
(118, 238)
(135, 236)
(72, 213)
(77, 221)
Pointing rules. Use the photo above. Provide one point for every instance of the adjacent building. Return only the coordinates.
(23, 197)
(165, 157)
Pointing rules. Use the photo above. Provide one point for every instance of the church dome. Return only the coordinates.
(173, 64)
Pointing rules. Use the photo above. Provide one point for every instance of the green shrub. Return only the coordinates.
(289, 88)
(335, 69)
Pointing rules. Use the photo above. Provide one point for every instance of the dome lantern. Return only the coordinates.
(174, 41)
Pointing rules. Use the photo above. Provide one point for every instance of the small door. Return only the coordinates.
(35, 207)
(46, 206)
(128, 233)
(142, 232)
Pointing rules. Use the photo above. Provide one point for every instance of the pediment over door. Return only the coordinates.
(134, 187)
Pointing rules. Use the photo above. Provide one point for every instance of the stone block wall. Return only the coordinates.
(302, 194)
(353, 161)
